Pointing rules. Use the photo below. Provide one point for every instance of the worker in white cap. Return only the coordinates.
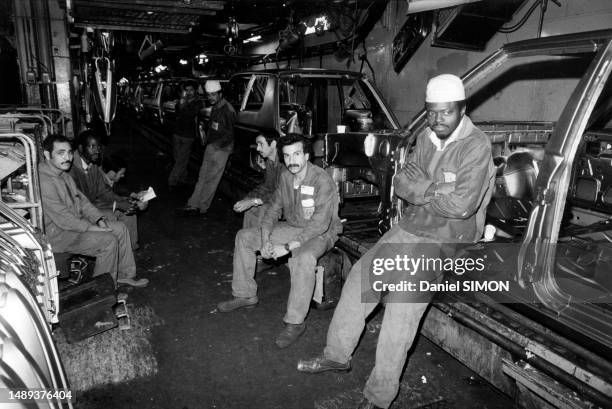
(447, 183)
(219, 143)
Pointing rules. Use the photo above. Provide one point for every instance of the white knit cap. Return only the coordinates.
(445, 88)
(212, 86)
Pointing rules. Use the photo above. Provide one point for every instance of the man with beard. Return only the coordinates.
(308, 198)
(257, 201)
(220, 143)
(447, 181)
(73, 224)
(184, 133)
(90, 180)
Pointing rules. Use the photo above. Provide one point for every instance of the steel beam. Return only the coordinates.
(105, 4)
(119, 26)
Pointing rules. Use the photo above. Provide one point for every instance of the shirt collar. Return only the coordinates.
(86, 165)
(452, 138)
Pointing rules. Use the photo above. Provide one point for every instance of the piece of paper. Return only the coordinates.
(147, 195)
(318, 291)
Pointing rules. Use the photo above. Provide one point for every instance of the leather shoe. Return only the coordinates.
(290, 334)
(134, 282)
(322, 364)
(237, 303)
(366, 404)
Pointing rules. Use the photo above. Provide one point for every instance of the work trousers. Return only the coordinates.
(131, 222)
(302, 266)
(211, 171)
(400, 322)
(111, 249)
(254, 216)
(181, 150)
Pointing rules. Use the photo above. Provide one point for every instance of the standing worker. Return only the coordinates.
(220, 143)
(184, 133)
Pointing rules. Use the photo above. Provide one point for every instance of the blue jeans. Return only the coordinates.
(211, 171)
(400, 322)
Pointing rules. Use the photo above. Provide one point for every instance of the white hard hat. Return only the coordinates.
(212, 86)
(445, 88)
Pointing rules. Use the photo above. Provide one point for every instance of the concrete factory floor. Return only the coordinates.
(212, 360)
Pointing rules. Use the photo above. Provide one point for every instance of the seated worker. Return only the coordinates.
(256, 202)
(90, 180)
(73, 224)
(448, 181)
(308, 198)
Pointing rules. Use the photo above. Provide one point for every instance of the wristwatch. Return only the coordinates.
(287, 248)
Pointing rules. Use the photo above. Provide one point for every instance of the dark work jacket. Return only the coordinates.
(467, 162)
(93, 185)
(265, 190)
(185, 118)
(312, 206)
(221, 126)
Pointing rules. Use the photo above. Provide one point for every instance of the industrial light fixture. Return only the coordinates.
(417, 6)
(183, 61)
(369, 144)
(202, 58)
(252, 39)
(321, 24)
(160, 68)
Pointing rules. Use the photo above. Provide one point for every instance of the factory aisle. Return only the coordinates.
(212, 360)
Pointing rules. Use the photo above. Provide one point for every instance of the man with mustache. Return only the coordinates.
(447, 181)
(73, 224)
(257, 201)
(90, 180)
(308, 198)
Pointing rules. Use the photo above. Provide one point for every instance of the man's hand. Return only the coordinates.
(246, 204)
(279, 250)
(141, 205)
(415, 173)
(102, 226)
(267, 250)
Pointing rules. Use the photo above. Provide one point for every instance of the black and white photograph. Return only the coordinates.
(306, 204)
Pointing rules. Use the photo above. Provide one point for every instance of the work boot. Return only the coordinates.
(237, 303)
(322, 364)
(290, 334)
